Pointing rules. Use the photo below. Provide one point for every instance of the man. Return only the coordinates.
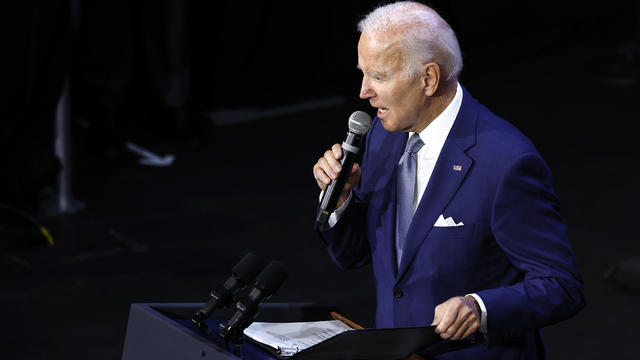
(452, 205)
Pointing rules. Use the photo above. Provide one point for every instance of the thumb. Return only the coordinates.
(354, 177)
(355, 171)
(436, 319)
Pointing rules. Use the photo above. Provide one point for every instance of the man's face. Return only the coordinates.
(400, 99)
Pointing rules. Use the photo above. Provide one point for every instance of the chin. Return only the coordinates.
(388, 125)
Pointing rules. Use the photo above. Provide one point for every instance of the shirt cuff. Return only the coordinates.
(483, 315)
(337, 213)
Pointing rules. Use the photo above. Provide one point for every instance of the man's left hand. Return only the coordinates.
(457, 318)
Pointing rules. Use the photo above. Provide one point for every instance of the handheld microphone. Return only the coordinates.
(242, 273)
(359, 124)
(247, 308)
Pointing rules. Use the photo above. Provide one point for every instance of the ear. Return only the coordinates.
(431, 73)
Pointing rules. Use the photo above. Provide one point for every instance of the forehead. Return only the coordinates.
(380, 51)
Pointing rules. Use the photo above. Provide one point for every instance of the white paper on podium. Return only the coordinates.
(291, 337)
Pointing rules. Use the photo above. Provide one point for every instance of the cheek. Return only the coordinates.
(399, 95)
(412, 99)
(380, 91)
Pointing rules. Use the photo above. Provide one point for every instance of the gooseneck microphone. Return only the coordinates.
(241, 274)
(247, 308)
(359, 124)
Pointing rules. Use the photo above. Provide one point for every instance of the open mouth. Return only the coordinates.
(382, 111)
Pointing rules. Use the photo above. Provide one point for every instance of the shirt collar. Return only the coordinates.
(435, 134)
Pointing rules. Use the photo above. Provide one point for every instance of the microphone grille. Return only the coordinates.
(248, 267)
(272, 277)
(359, 122)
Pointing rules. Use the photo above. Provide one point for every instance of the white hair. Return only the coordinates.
(424, 36)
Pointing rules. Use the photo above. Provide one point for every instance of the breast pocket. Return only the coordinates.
(452, 231)
(453, 250)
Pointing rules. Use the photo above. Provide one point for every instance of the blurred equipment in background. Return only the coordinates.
(624, 70)
(625, 274)
(37, 59)
(131, 73)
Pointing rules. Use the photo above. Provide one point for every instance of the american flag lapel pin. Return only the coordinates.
(457, 167)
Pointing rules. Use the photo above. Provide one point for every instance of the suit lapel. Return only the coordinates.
(449, 172)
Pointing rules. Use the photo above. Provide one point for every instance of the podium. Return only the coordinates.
(372, 344)
(152, 333)
(164, 331)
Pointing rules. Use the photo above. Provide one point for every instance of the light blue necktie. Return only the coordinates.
(406, 187)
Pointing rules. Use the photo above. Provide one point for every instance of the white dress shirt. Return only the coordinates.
(433, 137)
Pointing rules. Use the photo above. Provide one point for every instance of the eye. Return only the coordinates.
(376, 77)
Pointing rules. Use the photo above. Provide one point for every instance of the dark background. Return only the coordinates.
(219, 85)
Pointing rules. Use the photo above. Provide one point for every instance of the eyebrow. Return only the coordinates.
(372, 73)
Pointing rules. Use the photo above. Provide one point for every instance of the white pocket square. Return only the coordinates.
(442, 222)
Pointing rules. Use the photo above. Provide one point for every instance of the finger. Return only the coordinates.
(337, 151)
(354, 178)
(464, 313)
(327, 167)
(436, 317)
(448, 319)
(461, 330)
(470, 316)
(473, 327)
(467, 328)
(320, 174)
(331, 160)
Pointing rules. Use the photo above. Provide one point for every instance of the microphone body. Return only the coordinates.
(359, 124)
(247, 308)
(242, 273)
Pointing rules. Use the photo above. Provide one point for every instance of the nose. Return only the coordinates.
(366, 91)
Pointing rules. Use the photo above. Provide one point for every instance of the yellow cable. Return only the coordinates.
(46, 234)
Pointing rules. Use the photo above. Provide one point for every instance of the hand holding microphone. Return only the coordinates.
(329, 166)
(336, 172)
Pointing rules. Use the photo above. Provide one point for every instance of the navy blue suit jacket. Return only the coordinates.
(512, 251)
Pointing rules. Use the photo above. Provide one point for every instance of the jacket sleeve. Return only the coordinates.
(347, 240)
(528, 227)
